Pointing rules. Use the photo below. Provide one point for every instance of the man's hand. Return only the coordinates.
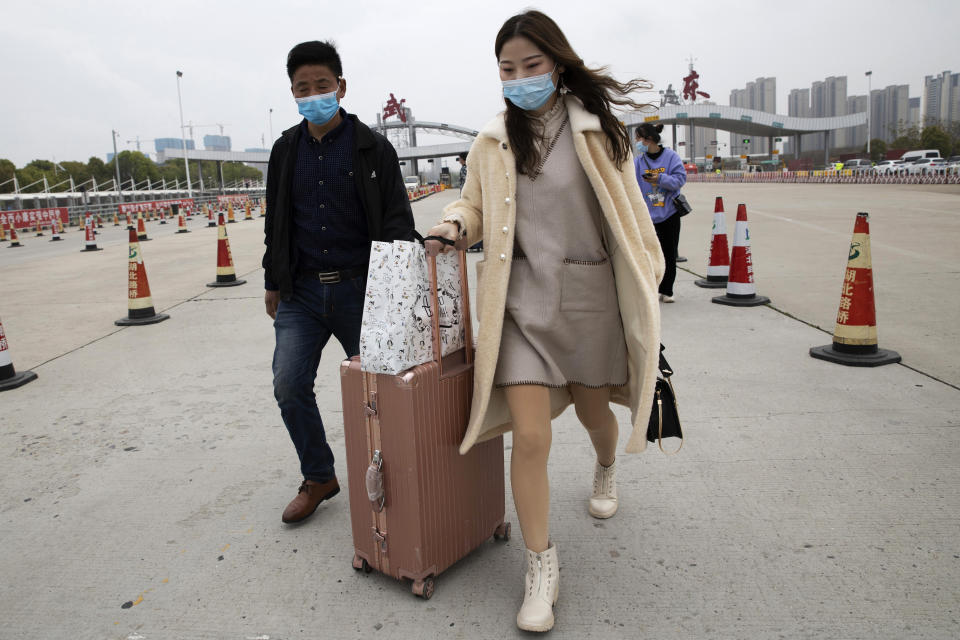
(271, 299)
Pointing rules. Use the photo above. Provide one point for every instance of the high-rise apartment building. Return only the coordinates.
(760, 95)
(941, 98)
(914, 106)
(856, 137)
(827, 99)
(216, 143)
(890, 111)
(704, 140)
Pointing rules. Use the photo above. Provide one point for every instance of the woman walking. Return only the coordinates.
(661, 175)
(567, 295)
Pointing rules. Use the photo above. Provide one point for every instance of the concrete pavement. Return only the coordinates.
(143, 474)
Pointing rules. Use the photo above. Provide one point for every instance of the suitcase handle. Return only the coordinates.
(374, 481)
(432, 246)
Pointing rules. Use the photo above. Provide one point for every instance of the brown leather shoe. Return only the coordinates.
(309, 496)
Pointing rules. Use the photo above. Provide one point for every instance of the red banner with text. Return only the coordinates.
(186, 204)
(28, 218)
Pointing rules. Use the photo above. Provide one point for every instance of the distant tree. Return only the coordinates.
(878, 150)
(42, 165)
(99, 169)
(135, 165)
(934, 137)
(30, 179)
(7, 170)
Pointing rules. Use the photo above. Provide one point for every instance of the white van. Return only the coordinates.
(411, 182)
(911, 156)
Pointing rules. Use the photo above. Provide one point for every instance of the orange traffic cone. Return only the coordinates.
(55, 232)
(182, 224)
(3, 231)
(139, 303)
(9, 378)
(263, 207)
(99, 223)
(39, 229)
(226, 274)
(230, 217)
(249, 212)
(741, 291)
(129, 222)
(90, 237)
(855, 335)
(14, 239)
(718, 265)
(208, 212)
(163, 217)
(59, 225)
(116, 219)
(141, 229)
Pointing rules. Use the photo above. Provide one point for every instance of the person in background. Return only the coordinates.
(661, 175)
(567, 295)
(332, 187)
(462, 159)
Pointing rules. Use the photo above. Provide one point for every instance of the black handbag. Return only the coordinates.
(664, 419)
(681, 205)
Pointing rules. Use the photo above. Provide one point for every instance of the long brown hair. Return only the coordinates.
(595, 88)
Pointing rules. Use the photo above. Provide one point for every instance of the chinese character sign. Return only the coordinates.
(691, 87)
(395, 108)
(29, 218)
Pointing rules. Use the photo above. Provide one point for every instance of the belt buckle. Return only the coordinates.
(328, 277)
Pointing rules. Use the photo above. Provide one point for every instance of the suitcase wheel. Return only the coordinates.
(361, 564)
(502, 532)
(423, 588)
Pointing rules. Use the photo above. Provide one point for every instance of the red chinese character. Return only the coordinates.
(690, 87)
(394, 108)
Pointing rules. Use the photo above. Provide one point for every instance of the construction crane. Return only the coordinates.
(137, 140)
(192, 126)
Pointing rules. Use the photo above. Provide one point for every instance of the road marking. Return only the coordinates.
(886, 247)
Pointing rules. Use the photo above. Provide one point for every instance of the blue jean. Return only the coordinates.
(303, 325)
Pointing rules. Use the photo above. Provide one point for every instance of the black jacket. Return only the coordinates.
(380, 188)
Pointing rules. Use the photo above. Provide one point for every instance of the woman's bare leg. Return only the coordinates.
(530, 410)
(593, 410)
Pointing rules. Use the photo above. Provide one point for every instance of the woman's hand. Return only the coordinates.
(448, 230)
(651, 178)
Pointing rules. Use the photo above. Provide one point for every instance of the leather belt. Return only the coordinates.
(333, 277)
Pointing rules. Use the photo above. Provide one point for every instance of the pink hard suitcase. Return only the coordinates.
(416, 505)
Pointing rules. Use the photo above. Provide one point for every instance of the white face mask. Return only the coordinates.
(530, 93)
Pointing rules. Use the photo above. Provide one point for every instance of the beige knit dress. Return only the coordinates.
(562, 321)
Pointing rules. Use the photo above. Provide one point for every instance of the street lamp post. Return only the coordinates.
(271, 125)
(116, 164)
(869, 75)
(183, 139)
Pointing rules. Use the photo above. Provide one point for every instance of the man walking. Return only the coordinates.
(333, 185)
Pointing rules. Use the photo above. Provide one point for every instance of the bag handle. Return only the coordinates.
(432, 246)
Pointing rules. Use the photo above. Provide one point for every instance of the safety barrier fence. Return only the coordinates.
(826, 177)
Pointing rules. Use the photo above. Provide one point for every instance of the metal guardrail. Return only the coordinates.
(76, 213)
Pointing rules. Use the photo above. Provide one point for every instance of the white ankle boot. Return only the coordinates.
(542, 589)
(603, 502)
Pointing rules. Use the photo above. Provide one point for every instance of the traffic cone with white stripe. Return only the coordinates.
(741, 291)
(129, 222)
(855, 335)
(55, 237)
(9, 378)
(718, 265)
(182, 224)
(248, 215)
(226, 274)
(139, 303)
(14, 239)
(116, 219)
(39, 229)
(90, 236)
(141, 228)
(263, 207)
(163, 217)
(99, 222)
(208, 211)
(230, 218)
(59, 225)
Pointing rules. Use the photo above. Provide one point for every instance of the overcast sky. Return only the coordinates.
(72, 71)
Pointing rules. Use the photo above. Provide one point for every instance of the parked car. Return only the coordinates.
(913, 155)
(927, 166)
(857, 165)
(953, 164)
(887, 167)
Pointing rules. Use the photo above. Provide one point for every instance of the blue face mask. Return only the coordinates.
(319, 109)
(530, 93)
(641, 148)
